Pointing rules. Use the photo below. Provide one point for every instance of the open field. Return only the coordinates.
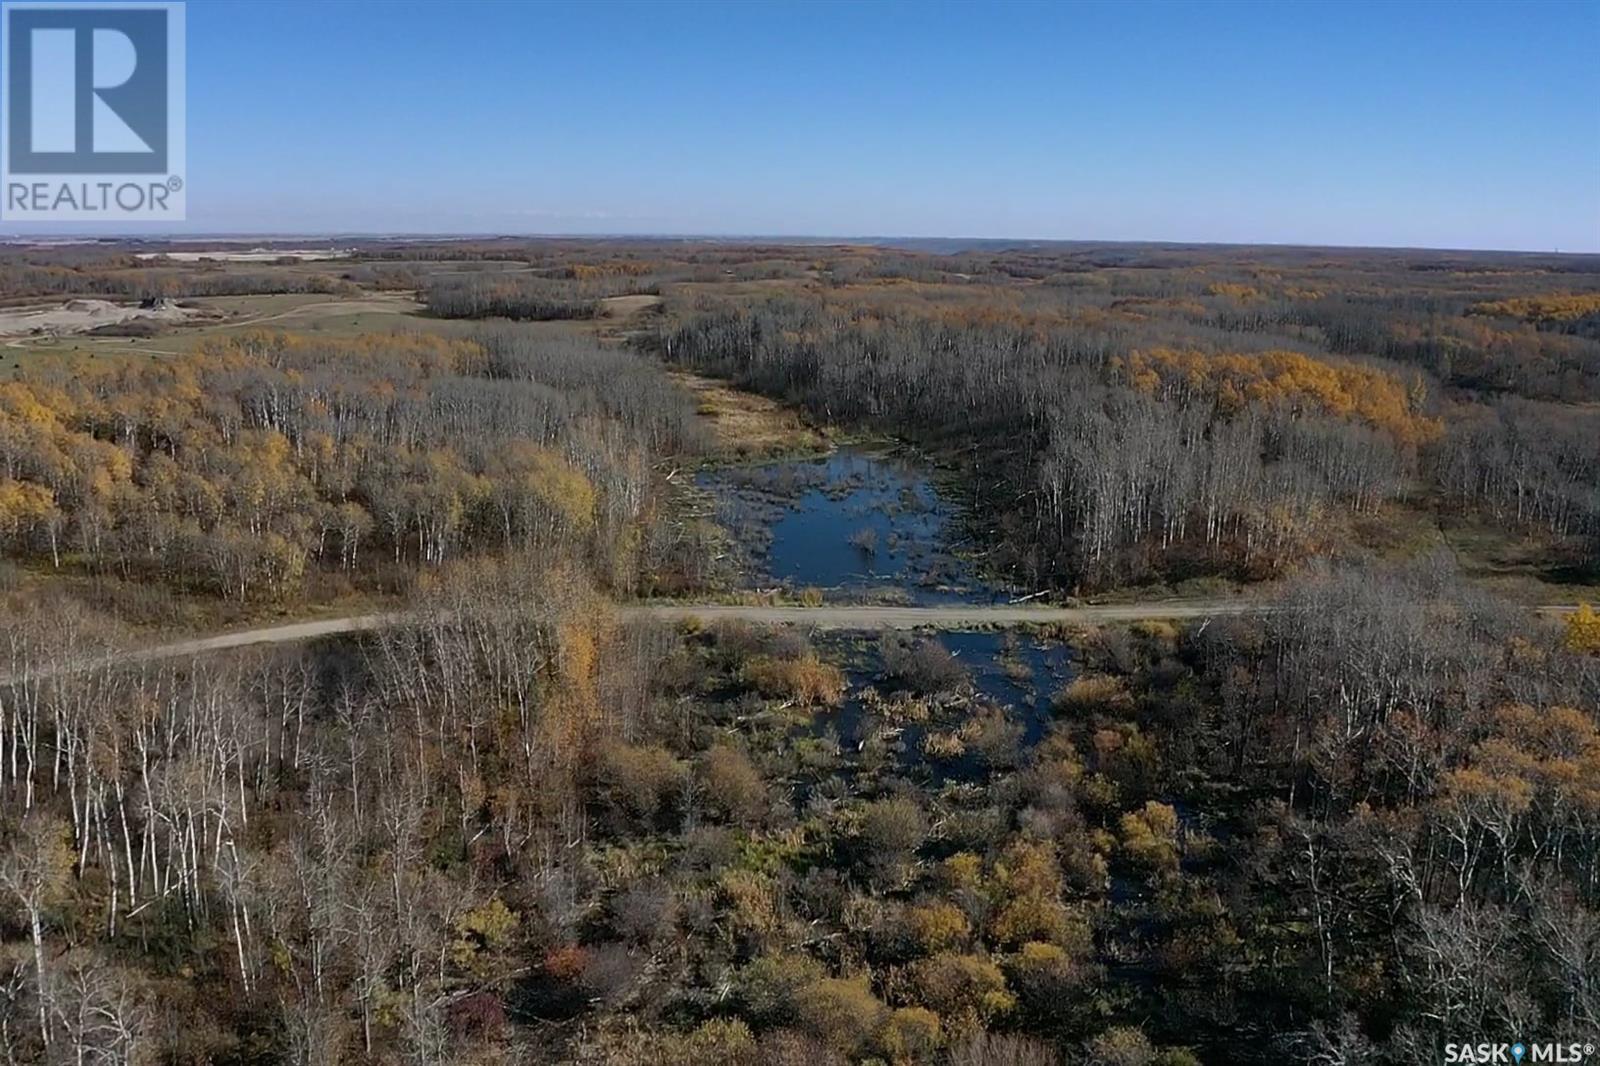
(56, 330)
(626, 306)
(205, 317)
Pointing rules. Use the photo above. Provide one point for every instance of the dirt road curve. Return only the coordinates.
(952, 616)
(955, 616)
(286, 634)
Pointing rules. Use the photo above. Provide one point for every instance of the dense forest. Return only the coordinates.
(529, 822)
(268, 463)
(1133, 424)
(526, 297)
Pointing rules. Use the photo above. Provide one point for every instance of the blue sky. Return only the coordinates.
(1427, 124)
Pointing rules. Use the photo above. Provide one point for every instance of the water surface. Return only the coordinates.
(855, 524)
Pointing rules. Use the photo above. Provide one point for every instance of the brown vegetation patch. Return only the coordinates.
(747, 426)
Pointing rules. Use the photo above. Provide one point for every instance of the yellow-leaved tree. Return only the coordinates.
(24, 507)
(1583, 630)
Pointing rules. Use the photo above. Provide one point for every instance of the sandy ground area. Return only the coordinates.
(80, 316)
(254, 255)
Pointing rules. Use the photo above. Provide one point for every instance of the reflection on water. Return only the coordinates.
(851, 523)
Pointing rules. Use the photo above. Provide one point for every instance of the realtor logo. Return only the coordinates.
(94, 111)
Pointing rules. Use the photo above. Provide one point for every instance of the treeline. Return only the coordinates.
(1528, 465)
(264, 458)
(139, 281)
(1511, 328)
(528, 297)
(1578, 312)
(1484, 354)
(1107, 460)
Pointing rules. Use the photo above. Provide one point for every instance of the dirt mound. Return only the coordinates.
(90, 307)
(83, 314)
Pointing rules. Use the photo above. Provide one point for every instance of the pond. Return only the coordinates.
(869, 525)
(1009, 682)
(856, 525)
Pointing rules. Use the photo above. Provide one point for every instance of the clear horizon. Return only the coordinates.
(1469, 127)
(61, 235)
